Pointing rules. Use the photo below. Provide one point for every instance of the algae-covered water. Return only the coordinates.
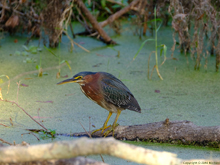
(184, 94)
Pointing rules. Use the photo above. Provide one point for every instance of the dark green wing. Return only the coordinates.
(118, 94)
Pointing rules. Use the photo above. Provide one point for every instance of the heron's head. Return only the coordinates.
(78, 78)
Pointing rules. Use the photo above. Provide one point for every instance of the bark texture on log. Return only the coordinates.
(177, 132)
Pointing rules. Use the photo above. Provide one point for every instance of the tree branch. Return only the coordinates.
(119, 13)
(63, 150)
(94, 22)
(85, 146)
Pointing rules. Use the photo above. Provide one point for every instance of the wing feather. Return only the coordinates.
(118, 94)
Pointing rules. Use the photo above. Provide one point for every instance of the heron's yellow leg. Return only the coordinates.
(114, 124)
(105, 124)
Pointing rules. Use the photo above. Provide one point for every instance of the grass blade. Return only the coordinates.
(141, 47)
(50, 51)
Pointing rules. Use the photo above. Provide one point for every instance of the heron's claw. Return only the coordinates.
(102, 128)
(111, 130)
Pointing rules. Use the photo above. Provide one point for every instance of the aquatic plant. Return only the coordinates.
(59, 60)
(162, 46)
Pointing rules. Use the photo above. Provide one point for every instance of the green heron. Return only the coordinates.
(108, 92)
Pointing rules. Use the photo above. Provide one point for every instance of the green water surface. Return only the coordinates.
(184, 94)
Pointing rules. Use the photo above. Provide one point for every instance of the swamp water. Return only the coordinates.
(184, 94)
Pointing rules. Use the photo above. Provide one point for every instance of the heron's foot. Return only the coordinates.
(102, 128)
(111, 130)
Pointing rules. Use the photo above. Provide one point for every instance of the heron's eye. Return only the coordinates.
(78, 78)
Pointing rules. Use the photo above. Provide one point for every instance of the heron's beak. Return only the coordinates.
(71, 80)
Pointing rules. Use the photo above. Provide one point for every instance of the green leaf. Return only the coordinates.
(103, 3)
(157, 19)
(111, 47)
(17, 53)
(62, 61)
(37, 67)
(155, 12)
(196, 44)
(26, 48)
(108, 10)
(33, 49)
(24, 54)
(161, 51)
(159, 26)
(67, 63)
(116, 6)
(50, 51)
(28, 60)
(165, 50)
(53, 132)
(141, 47)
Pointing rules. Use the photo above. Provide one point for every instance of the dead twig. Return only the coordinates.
(39, 116)
(18, 83)
(85, 129)
(90, 137)
(152, 71)
(31, 134)
(3, 141)
(4, 125)
(71, 28)
(25, 113)
(73, 42)
(11, 122)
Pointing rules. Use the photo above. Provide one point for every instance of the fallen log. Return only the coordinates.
(175, 132)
